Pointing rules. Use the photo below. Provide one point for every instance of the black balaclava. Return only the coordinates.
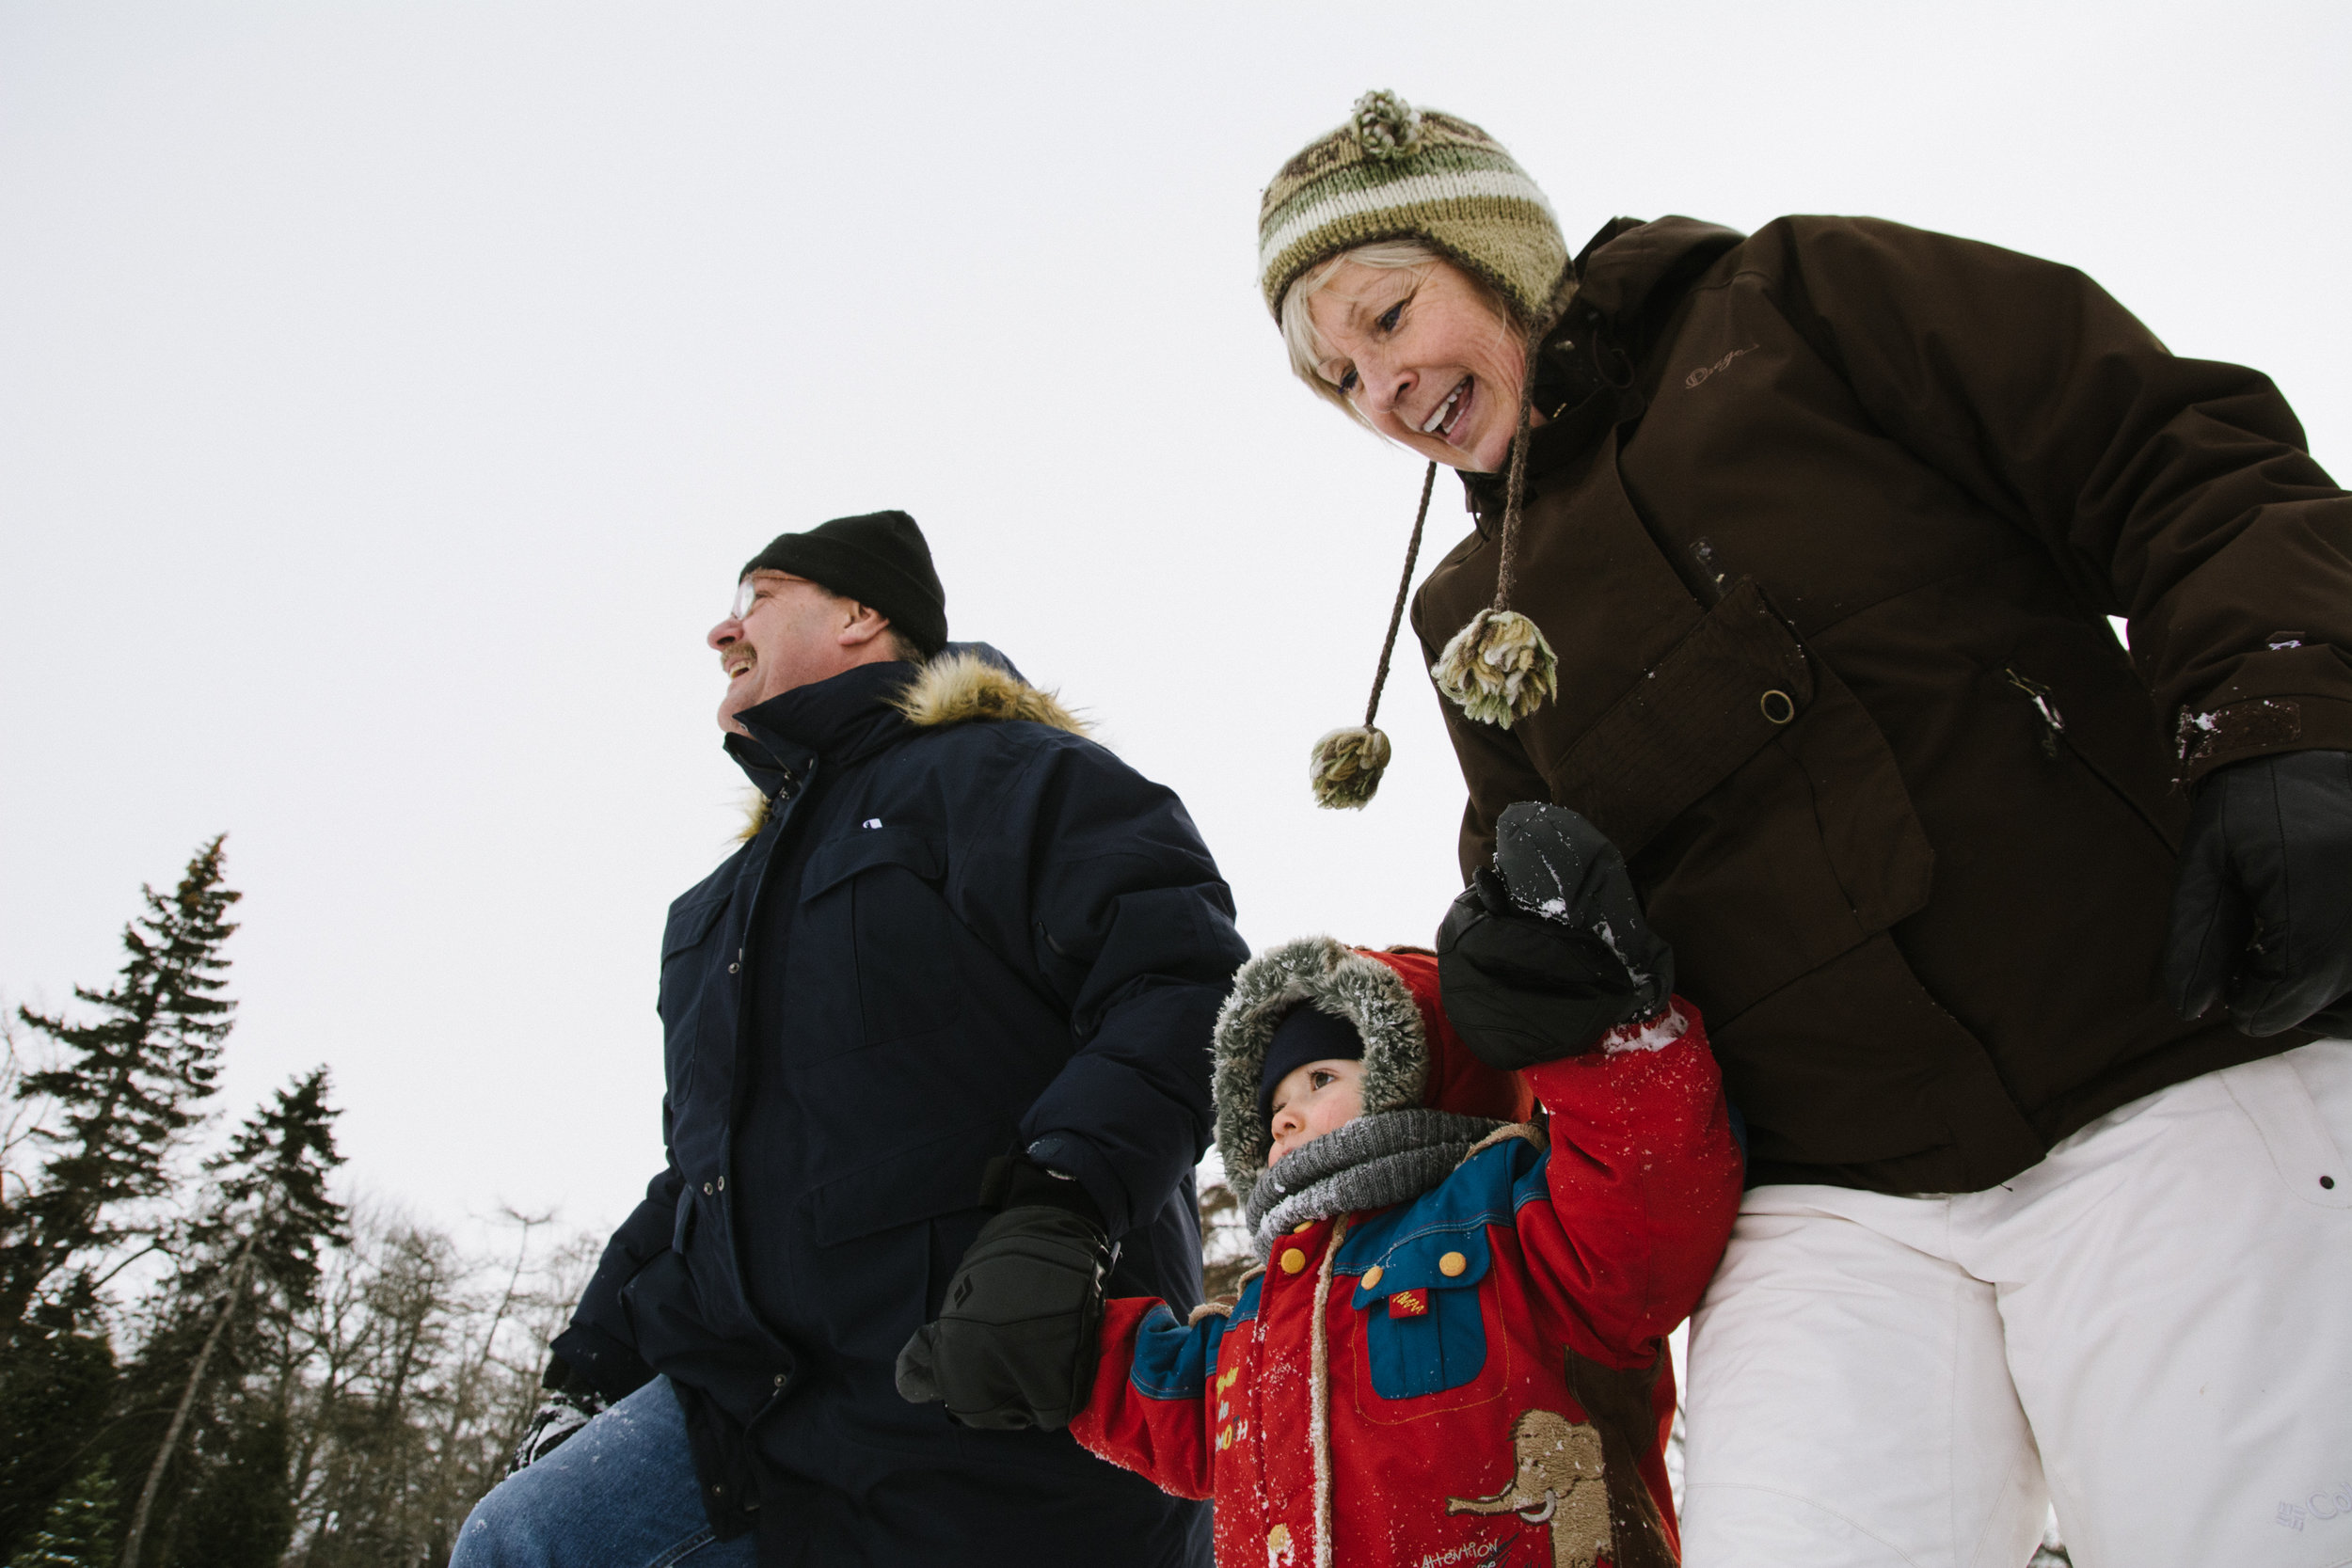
(1307, 1034)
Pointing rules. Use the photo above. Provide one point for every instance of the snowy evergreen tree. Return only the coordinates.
(126, 1088)
(109, 1106)
(280, 1397)
(273, 1190)
(249, 1267)
(79, 1529)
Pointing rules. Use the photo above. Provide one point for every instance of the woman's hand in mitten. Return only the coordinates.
(1014, 1345)
(1543, 955)
(2262, 915)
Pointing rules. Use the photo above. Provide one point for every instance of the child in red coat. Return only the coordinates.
(1454, 1354)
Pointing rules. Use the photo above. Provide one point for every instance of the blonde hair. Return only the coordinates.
(1307, 348)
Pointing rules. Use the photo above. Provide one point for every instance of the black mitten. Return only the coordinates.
(1543, 955)
(567, 1408)
(1016, 1342)
(2262, 914)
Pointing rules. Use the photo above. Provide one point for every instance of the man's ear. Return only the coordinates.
(862, 625)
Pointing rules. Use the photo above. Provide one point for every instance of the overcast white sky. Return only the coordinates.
(389, 394)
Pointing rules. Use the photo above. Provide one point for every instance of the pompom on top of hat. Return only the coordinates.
(1386, 126)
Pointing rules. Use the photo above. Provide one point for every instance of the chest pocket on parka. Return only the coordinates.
(1424, 1330)
(874, 946)
(685, 964)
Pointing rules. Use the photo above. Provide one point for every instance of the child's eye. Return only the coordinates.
(1322, 1080)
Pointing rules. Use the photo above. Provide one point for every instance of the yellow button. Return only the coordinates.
(1293, 1260)
(1302, 1227)
(1372, 1278)
(1452, 1264)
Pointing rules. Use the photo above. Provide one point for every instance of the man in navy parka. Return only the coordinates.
(958, 931)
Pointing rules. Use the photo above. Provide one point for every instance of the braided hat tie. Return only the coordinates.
(1497, 669)
(1500, 668)
(1395, 171)
(1346, 764)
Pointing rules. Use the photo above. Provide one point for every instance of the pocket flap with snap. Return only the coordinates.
(689, 922)
(1418, 1269)
(1734, 682)
(864, 848)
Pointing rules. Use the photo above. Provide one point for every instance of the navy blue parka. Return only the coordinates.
(960, 930)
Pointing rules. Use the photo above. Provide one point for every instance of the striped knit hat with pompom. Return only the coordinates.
(1394, 172)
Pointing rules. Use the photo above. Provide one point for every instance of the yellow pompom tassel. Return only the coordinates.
(1347, 768)
(1499, 668)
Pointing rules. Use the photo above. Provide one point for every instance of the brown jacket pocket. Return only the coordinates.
(1757, 802)
(1734, 683)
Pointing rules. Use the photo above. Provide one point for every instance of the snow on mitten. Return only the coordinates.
(1541, 956)
(563, 1413)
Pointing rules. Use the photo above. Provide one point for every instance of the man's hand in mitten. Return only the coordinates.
(568, 1406)
(1544, 954)
(1014, 1344)
(2262, 915)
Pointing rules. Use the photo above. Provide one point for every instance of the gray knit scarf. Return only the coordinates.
(1367, 1163)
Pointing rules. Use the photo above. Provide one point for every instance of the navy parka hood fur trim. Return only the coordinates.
(968, 683)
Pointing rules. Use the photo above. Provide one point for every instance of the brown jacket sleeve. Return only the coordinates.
(2176, 493)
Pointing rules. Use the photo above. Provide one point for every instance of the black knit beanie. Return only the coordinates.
(880, 559)
(1307, 1034)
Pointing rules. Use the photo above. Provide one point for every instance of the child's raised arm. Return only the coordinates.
(1642, 1183)
(1548, 967)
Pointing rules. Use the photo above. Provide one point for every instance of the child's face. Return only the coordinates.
(1313, 1101)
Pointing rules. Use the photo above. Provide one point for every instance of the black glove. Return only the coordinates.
(2262, 915)
(567, 1408)
(1543, 955)
(1014, 1345)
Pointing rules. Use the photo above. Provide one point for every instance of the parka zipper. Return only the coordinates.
(2053, 723)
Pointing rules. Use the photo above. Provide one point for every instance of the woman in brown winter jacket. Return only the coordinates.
(1792, 570)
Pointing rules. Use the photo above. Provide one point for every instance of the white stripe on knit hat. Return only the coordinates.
(1452, 185)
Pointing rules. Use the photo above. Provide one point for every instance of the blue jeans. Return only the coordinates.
(620, 1493)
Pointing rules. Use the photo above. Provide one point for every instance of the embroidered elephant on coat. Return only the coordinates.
(1562, 1481)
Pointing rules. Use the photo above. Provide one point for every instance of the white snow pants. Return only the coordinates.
(2150, 1329)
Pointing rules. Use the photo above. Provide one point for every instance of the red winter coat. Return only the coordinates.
(1490, 1385)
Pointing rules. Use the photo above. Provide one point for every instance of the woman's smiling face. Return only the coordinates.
(1424, 357)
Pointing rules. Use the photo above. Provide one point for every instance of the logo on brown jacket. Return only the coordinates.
(1718, 365)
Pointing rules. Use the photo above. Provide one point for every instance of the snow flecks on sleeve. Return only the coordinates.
(1654, 1034)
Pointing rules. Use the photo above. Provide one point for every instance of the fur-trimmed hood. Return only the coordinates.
(968, 683)
(1412, 1056)
(973, 682)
